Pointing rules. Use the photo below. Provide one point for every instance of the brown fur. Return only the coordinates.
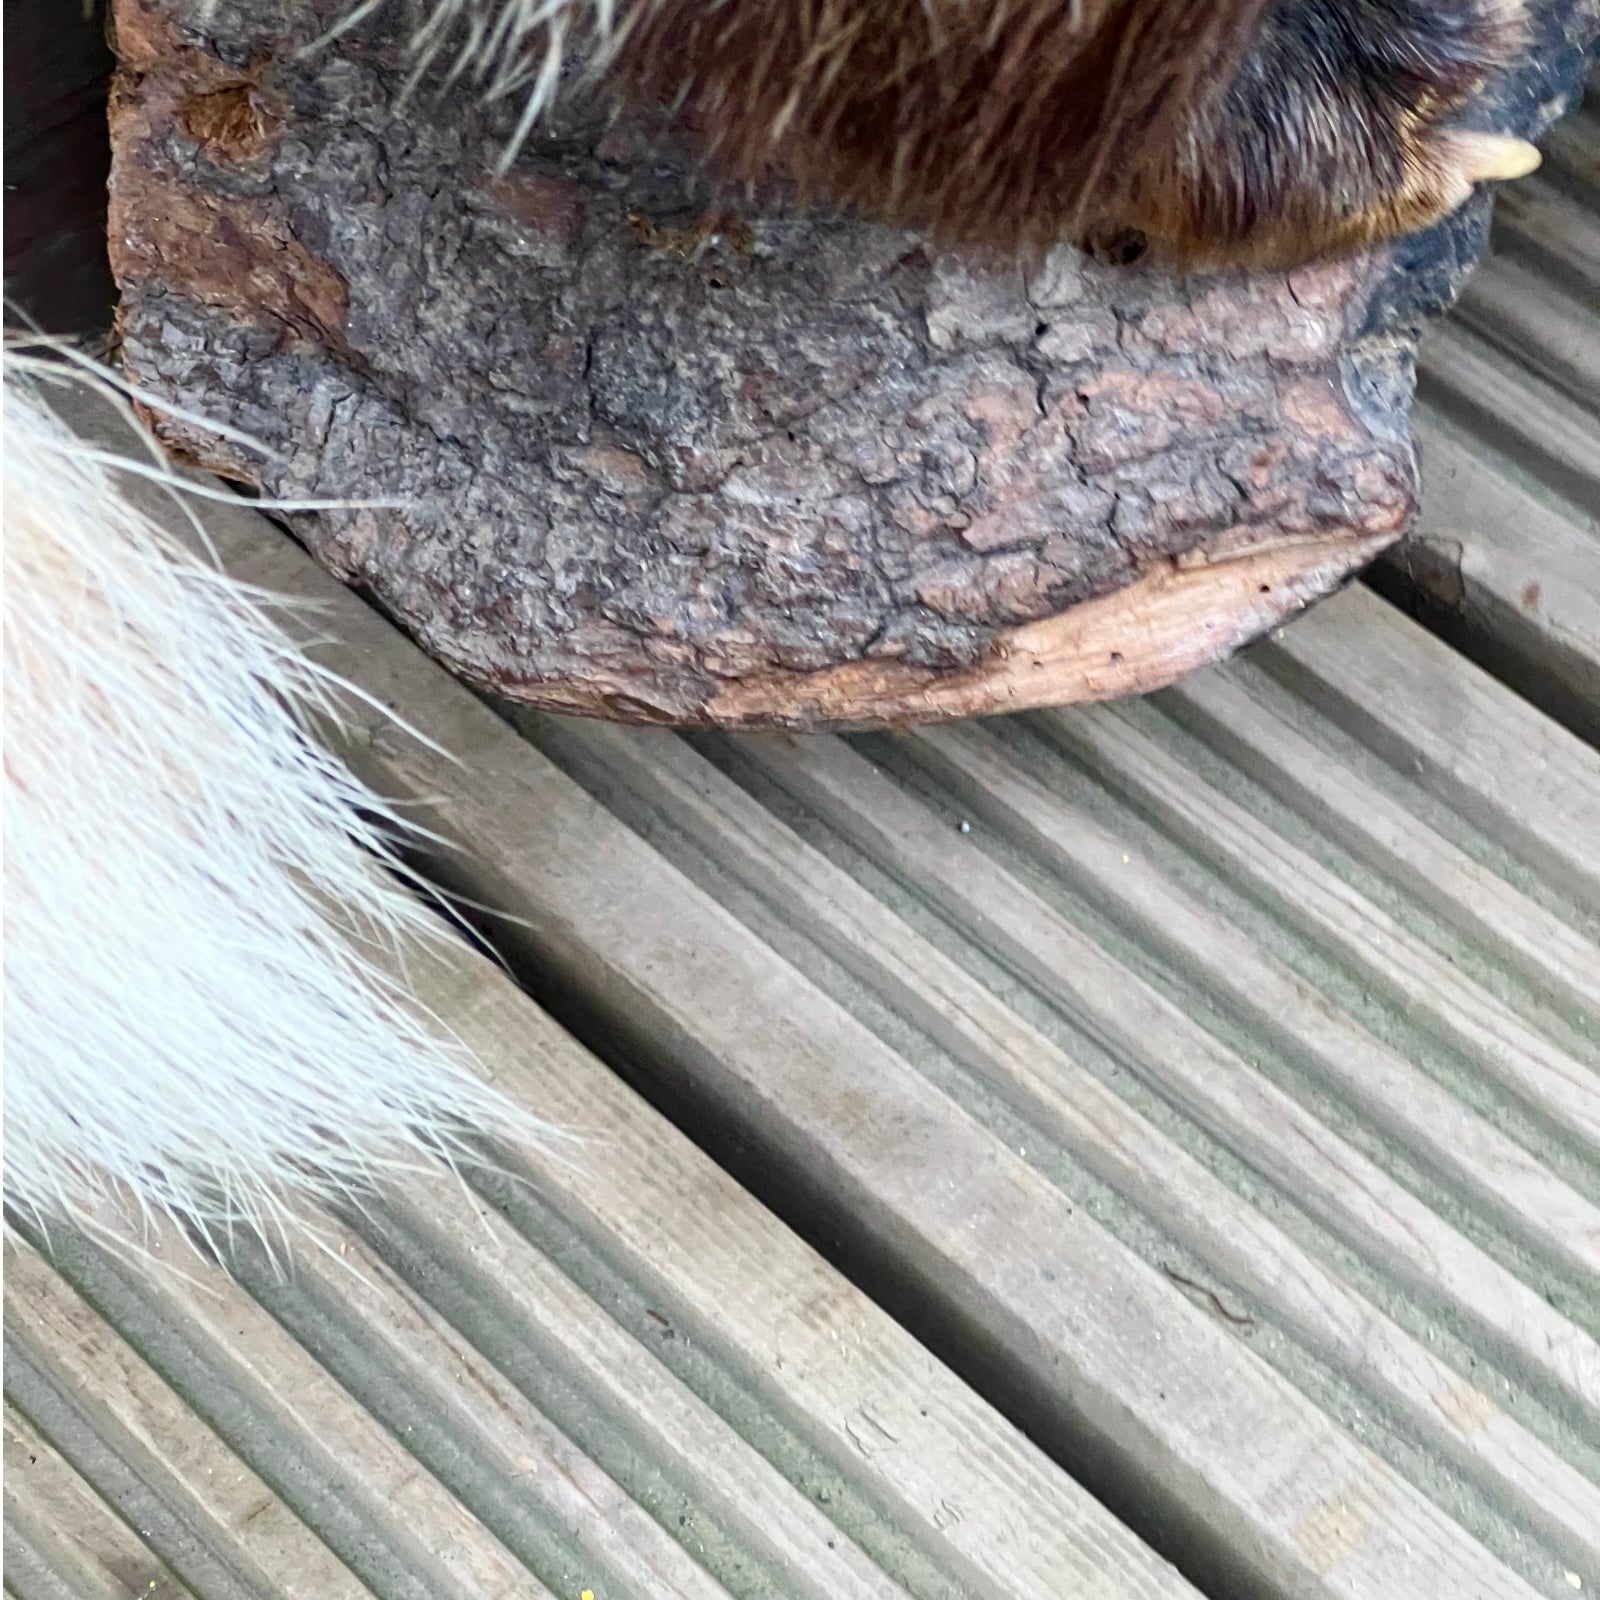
(1259, 131)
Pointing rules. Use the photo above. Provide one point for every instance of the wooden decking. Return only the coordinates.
(1140, 1151)
(1508, 395)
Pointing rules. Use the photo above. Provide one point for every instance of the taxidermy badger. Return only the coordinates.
(194, 1021)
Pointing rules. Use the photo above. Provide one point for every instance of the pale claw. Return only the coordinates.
(1493, 157)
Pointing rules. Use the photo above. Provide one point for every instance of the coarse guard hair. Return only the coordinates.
(1235, 132)
(203, 1016)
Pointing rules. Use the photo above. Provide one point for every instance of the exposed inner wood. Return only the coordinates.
(1128, 642)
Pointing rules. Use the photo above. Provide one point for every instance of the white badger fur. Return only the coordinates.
(198, 1020)
(202, 922)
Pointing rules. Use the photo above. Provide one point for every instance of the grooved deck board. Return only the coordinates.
(62, 1542)
(1469, 743)
(148, 1456)
(1231, 713)
(1037, 1077)
(617, 1371)
(598, 1365)
(1420, 1294)
(1214, 1080)
(1508, 425)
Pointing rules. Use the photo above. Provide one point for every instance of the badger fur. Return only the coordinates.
(1254, 132)
(202, 1016)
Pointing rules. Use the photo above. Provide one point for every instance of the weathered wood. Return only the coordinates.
(1501, 557)
(1521, 779)
(1262, 1263)
(672, 455)
(1191, 1066)
(1434, 1126)
(200, 1509)
(1344, 806)
(1047, 1200)
(1243, 1457)
(1392, 958)
(1501, 564)
(61, 1541)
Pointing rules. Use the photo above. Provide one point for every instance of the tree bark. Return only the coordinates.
(657, 452)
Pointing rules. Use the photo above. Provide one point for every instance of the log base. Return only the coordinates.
(653, 452)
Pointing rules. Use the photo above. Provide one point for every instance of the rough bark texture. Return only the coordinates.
(659, 453)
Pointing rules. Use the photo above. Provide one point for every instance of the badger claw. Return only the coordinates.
(1493, 157)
